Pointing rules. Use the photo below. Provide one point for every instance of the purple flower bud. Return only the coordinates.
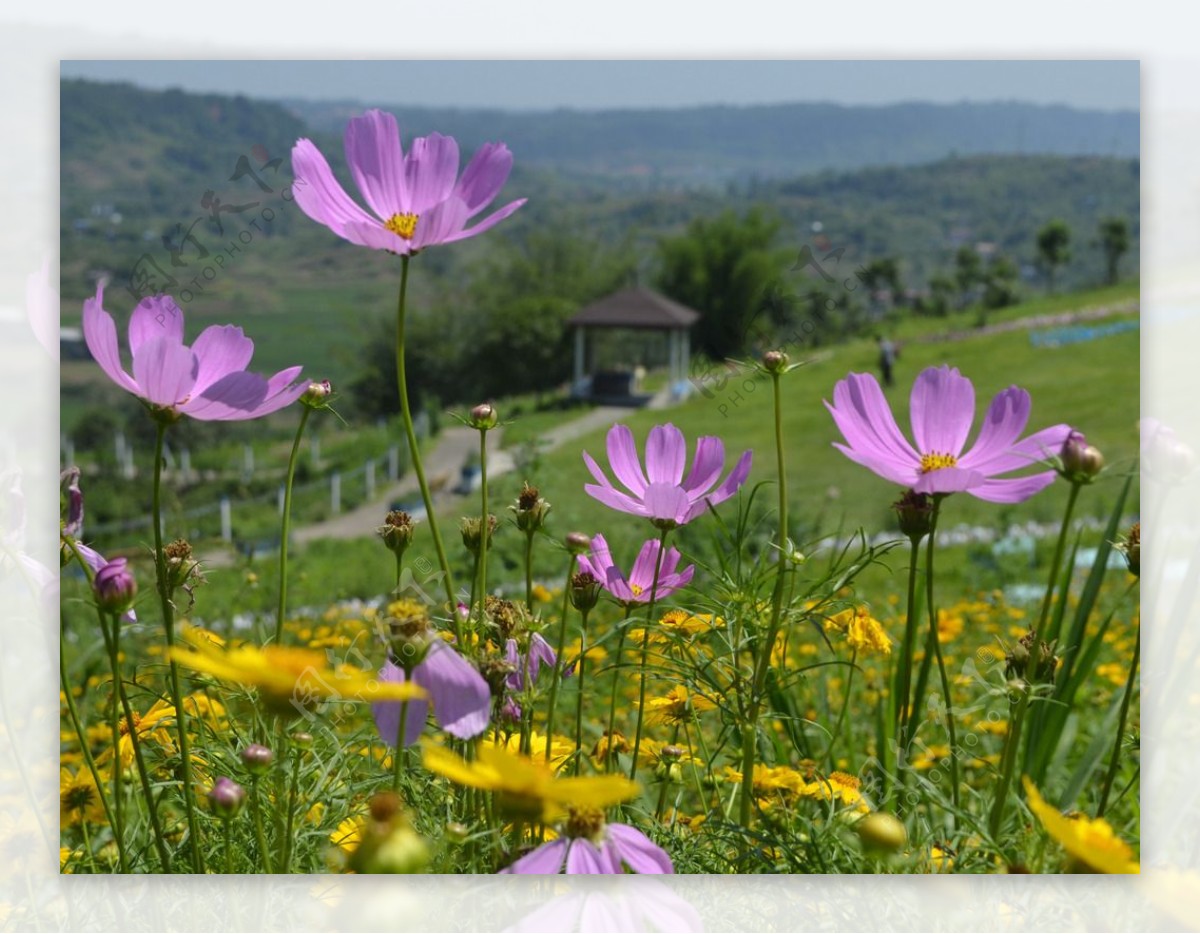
(257, 758)
(1080, 460)
(115, 586)
(226, 797)
(484, 417)
(316, 394)
(774, 360)
(578, 543)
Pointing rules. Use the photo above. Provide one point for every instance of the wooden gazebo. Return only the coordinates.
(635, 308)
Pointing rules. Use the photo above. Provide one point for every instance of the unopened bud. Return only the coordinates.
(257, 759)
(484, 417)
(1081, 462)
(396, 531)
(302, 740)
(471, 530)
(585, 591)
(317, 394)
(1131, 547)
(882, 831)
(226, 797)
(114, 586)
(180, 566)
(577, 543)
(915, 514)
(774, 361)
(530, 510)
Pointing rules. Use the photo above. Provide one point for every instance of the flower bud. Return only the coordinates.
(577, 543)
(471, 530)
(484, 417)
(301, 740)
(226, 797)
(396, 531)
(257, 759)
(1131, 547)
(585, 591)
(389, 843)
(1081, 462)
(317, 394)
(915, 514)
(181, 567)
(530, 510)
(882, 831)
(114, 586)
(774, 361)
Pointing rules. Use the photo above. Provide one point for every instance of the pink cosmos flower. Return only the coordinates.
(207, 380)
(417, 199)
(942, 409)
(636, 588)
(461, 698)
(661, 494)
(614, 847)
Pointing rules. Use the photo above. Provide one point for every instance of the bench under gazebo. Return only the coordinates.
(634, 309)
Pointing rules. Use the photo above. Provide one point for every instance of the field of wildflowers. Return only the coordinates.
(652, 712)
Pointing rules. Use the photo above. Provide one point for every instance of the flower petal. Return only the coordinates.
(642, 573)
(373, 234)
(942, 408)
(440, 223)
(221, 350)
(430, 170)
(1016, 490)
(100, 335)
(623, 459)
(666, 501)
(487, 223)
(155, 316)
(948, 480)
(615, 499)
(546, 860)
(165, 370)
(638, 851)
(1006, 418)
(666, 454)
(387, 714)
(377, 162)
(318, 193)
(706, 465)
(484, 176)
(584, 859)
(1028, 452)
(865, 419)
(461, 698)
(733, 483)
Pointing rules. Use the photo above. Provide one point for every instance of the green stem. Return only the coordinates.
(228, 846)
(398, 755)
(610, 755)
(641, 714)
(529, 571)
(117, 769)
(841, 721)
(168, 616)
(583, 618)
(937, 648)
(1012, 741)
(297, 753)
(414, 448)
(259, 835)
(484, 524)
(286, 521)
(666, 780)
(1116, 753)
(901, 700)
(763, 661)
(556, 673)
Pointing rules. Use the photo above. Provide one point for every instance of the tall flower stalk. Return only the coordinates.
(641, 714)
(556, 672)
(285, 523)
(936, 643)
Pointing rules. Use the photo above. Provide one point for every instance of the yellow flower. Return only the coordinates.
(541, 594)
(349, 833)
(561, 748)
(651, 753)
(770, 780)
(527, 787)
(1090, 842)
(678, 706)
(290, 679)
(595, 653)
(865, 634)
(149, 726)
(79, 798)
(839, 787)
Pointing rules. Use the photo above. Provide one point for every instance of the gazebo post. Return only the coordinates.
(580, 354)
(685, 363)
(673, 359)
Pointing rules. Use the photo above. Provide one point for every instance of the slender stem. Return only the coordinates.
(666, 779)
(901, 701)
(1116, 753)
(291, 810)
(641, 714)
(1012, 741)
(841, 721)
(484, 523)
(259, 835)
(556, 672)
(168, 618)
(610, 754)
(579, 683)
(228, 846)
(399, 753)
(285, 523)
(529, 571)
(414, 449)
(763, 660)
(115, 721)
(937, 648)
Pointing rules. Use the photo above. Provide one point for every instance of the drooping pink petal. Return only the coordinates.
(1006, 418)
(584, 859)
(546, 860)
(439, 223)
(666, 455)
(377, 163)
(638, 852)
(430, 170)
(706, 466)
(642, 573)
(484, 176)
(1016, 490)
(669, 583)
(540, 653)
(623, 459)
(948, 480)
(221, 350)
(100, 335)
(1028, 452)
(733, 483)
(155, 316)
(319, 195)
(666, 501)
(942, 408)
(889, 469)
(461, 698)
(615, 499)
(387, 714)
(488, 222)
(862, 413)
(165, 370)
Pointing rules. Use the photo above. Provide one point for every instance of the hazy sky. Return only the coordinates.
(536, 85)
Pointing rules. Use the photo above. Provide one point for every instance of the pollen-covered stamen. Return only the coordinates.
(403, 226)
(584, 822)
(936, 461)
(636, 589)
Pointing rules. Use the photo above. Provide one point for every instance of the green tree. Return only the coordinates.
(968, 273)
(725, 267)
(1114, 240)
(1000, 283)
(1053, 249)
(884, 273)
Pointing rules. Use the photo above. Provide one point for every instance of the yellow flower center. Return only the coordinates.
(402, 225)
(936, 461)
(584, 822)
(636, 589)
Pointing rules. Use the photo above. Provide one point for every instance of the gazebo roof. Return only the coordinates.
(636, 308)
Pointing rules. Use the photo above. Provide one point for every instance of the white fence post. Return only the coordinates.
(282, 496)
(247, 461)
(394, 463)
(370, 479)
(226, 520)
(335, 492)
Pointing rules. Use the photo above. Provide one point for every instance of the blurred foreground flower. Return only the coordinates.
(590, 846)
(1089, 843)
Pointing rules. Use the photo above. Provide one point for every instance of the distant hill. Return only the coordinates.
(706, 145)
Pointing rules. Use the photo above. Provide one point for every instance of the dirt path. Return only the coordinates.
(1034, 321)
